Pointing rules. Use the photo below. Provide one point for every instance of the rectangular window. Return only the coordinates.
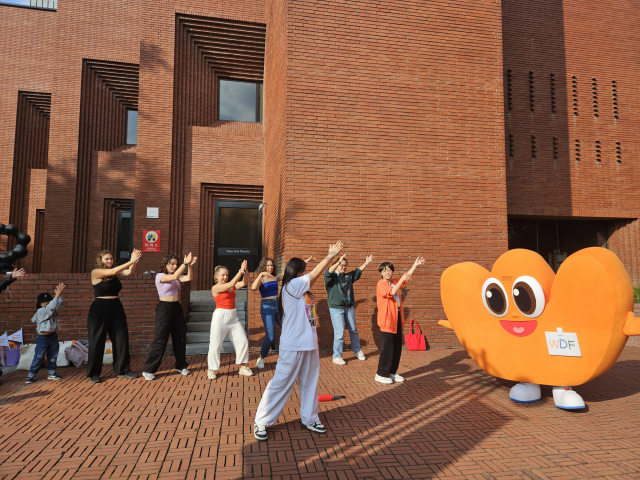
(132, 127)
(240, 101)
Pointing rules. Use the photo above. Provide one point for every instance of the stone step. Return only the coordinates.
(199, 326)
(206, 316)
(199, 296)
(201, 336)
(203, 348)
(211, 306)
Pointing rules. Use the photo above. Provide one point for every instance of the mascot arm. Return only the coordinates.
(446, 324)
(631, 325)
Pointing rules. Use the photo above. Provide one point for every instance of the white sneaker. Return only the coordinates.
(148, 376)
(246, 371)
(260, 432)
(315, 427)
(184, 372)
(211, 374)
(360, 356)
(385, 380)
(339, 361)
(567, 399)
(396, 378)
(525, 392)
(260, 363)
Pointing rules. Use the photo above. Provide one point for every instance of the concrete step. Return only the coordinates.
(198, 296)
(206, 316)
(199, 326)
(211, 306)
(203, 348)
(202, 336)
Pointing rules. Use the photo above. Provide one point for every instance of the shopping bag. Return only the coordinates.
(415, 341)
(26, 356)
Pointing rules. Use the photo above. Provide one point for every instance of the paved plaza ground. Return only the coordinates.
(449, 419)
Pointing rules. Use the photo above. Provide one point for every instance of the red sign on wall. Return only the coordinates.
(151, 241)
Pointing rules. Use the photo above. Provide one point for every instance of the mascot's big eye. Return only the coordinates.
(528, 296)
(494, 297)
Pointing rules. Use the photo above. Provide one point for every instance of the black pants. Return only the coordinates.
(391, 351)
(106, 316)
(169, 321)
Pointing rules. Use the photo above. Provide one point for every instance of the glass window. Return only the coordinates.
(240, 101)
(132, 127)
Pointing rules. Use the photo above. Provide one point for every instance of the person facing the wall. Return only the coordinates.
(339, 285)
(225, 321)
(106, 316)
(46, 320)
(299, 357)
(391, 321)
(169, 315)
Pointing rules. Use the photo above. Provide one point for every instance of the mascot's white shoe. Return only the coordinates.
(567, 399)
(525, 392)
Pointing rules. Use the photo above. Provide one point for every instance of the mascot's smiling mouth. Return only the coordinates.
(519, 329)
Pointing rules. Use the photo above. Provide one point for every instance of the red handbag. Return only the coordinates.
(415, 341)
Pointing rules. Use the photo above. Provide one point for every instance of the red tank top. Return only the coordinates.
(226, 300)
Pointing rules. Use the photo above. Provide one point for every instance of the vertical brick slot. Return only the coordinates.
(598, 151)
(614, 99)
(577, 150)
(532, 104)
(594, 97)
(574, 95)
(552, 82)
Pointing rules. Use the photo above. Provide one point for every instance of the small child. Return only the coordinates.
(46, 319)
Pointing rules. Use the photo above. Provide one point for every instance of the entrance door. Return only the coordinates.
(238, 235)
(123, 241)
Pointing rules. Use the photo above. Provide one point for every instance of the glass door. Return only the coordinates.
(238, 235)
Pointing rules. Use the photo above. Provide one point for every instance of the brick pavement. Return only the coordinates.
(448, 420)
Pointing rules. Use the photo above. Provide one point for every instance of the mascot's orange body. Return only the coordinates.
(524, 323)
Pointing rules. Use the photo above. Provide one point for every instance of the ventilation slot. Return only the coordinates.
(614, 99)
(577, 150)
(594, 96)
(534, 146)
(531, 92)
(509, 89)
(574, 95)
(598, 151)
(555, 148)
(618, 152)
(511, 145)
(552, 81)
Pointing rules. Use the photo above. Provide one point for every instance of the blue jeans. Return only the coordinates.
(270, 316)
(45, 344)
(339, 318)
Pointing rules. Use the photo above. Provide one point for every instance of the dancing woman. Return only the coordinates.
(106, 316)
(391, 321)
(169, 315)
(225, 320)
(299, 357)
(267, 283)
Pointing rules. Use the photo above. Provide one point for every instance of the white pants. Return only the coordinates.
(303, 366)
(226, 321)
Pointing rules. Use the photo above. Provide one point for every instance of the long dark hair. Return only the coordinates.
(294, 267)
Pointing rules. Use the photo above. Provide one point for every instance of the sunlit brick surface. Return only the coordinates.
(448, 420)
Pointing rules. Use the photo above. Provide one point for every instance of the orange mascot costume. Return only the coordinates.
(524, 323)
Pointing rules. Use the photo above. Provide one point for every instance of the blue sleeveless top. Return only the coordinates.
(269, 289)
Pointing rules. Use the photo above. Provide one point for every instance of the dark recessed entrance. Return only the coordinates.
(555, 240)
(238, 235)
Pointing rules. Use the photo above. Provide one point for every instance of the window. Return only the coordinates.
(132, 127)
(240, 101)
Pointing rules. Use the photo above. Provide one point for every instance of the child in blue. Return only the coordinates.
(46, 320)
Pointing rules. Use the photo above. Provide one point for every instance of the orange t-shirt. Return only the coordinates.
(388, 306)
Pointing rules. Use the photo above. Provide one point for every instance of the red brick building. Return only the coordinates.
(453, 130)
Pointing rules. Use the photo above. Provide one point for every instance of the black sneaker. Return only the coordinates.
(260, 432)
(129, 374)
(95, 379)
(30, 380)
(54, 376)
(315, 427)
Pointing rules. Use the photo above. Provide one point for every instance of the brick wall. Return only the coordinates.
(138, 295)
(393, 142)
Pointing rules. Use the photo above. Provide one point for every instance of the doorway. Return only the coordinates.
(238, 235)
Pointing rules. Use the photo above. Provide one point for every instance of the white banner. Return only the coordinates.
(17, 337)
(3, 340)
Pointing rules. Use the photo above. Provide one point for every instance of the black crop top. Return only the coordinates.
(107, 289)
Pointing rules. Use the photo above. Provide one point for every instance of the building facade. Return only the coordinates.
(237, 129)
